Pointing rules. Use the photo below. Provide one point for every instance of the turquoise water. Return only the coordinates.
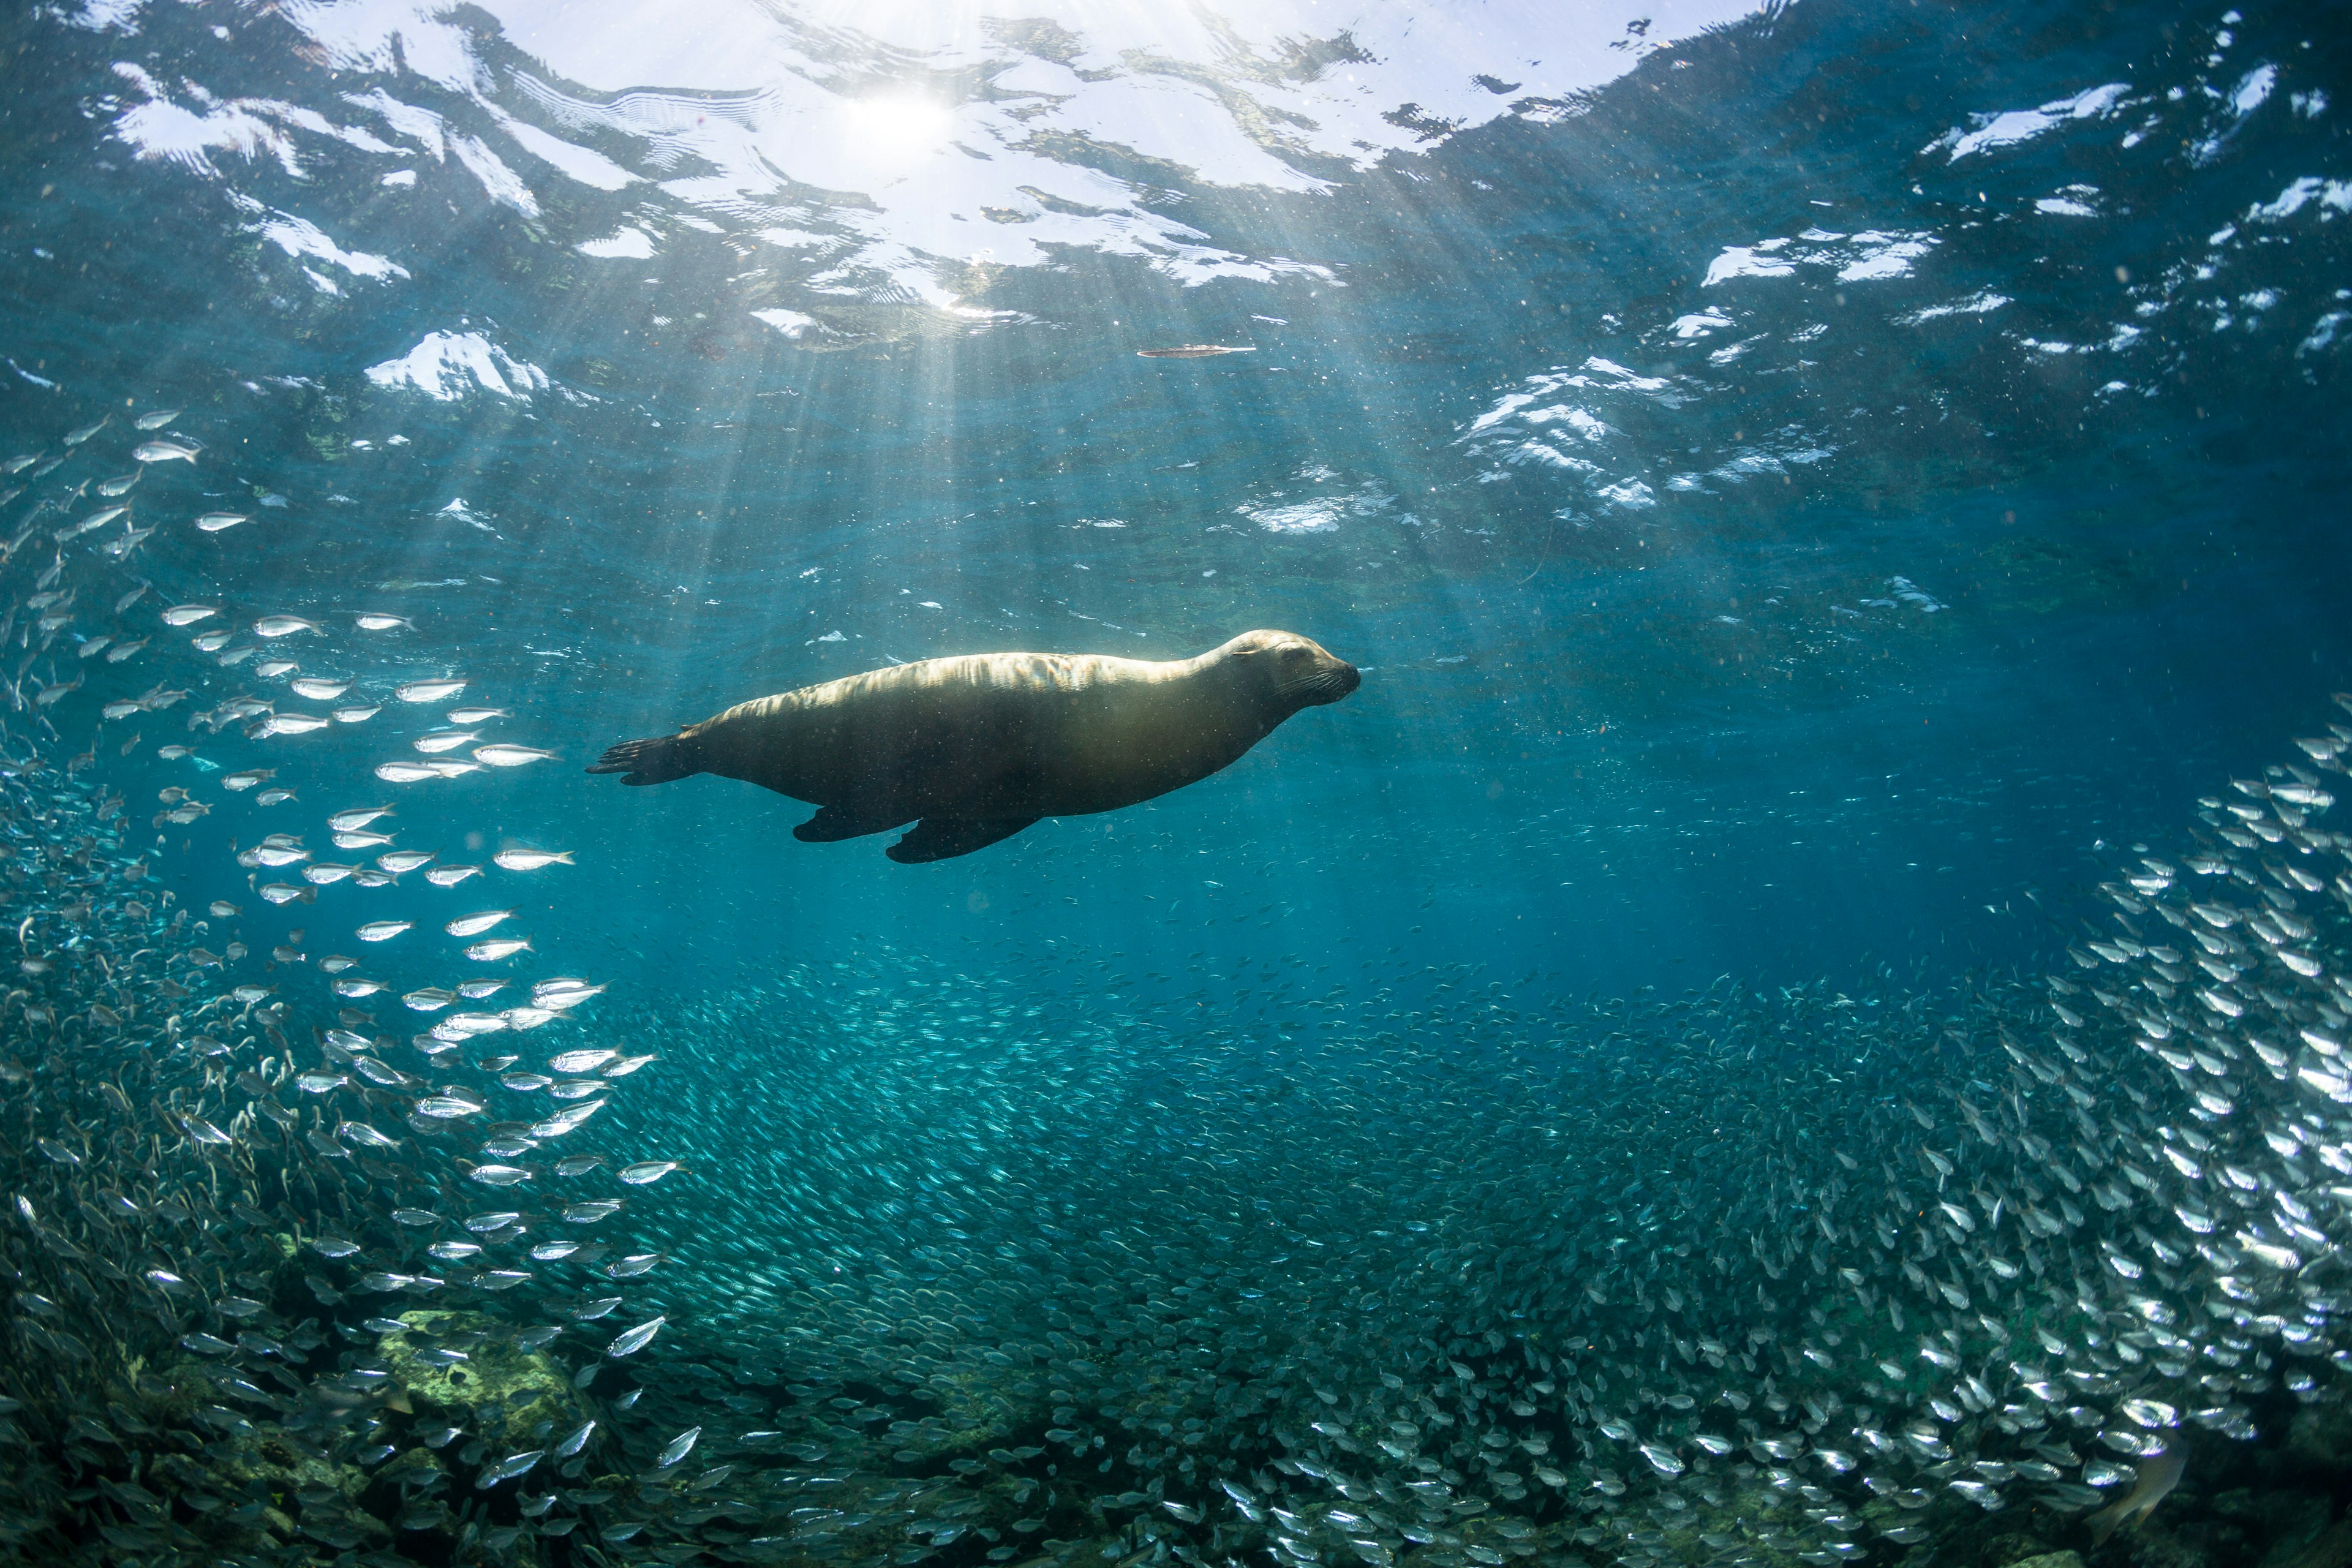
(1825, 500)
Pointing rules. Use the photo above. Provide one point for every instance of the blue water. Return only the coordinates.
(1643, 739)
(1809, 488)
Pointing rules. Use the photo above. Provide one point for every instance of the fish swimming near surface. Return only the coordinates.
(980, 747)
(1197, 351)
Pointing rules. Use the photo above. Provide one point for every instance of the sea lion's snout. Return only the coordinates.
(1299, 669)
(1334, 683)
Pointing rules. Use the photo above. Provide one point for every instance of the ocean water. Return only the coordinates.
(1796, 1015)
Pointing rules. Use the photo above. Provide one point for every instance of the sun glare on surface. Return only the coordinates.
(898, 128)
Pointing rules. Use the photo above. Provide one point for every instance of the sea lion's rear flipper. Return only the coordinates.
(945, 837)
(655, 760)
(833, 823)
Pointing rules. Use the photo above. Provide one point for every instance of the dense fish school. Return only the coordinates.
(885, 1265)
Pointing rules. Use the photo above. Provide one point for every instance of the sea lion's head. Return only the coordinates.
(1290, 671)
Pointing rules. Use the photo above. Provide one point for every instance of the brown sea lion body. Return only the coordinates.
(976, 748)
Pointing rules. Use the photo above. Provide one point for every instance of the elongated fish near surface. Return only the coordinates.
(1195, 350)
(187, 614)
(219, 521)
(155, 418)
(429, 690)
(284, 626)
(531, 859)
(160, 451)
(376, 621)
(506, 756)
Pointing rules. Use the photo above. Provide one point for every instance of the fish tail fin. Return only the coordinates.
(2104, 1522)
(658, 759)
(565, 858)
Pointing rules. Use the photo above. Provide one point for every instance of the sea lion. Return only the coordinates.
(972, 750)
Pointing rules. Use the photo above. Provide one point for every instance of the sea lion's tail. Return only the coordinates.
(658, 759)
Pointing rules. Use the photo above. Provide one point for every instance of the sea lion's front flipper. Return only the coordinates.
(945, 837)
(833, 823)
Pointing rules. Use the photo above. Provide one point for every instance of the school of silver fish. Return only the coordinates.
(896, 1266)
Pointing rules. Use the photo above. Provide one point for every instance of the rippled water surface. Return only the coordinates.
(1825, 501)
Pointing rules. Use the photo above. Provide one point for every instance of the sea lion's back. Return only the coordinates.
(887, 728)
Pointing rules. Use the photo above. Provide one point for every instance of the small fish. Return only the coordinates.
(475, 990)
(428, 690)
(274, 797)
(2153, 1480)
(271, 669)
(162, 451)
(188, 615)
(155, 419)
(175, 754)
(316, 690)
(405, 773)
(496, 948)
(120, 485)
(634, 1339)
(217, 521)
(1195, 350)
(506, 756)
(75, 438)
(508, 1468)
(361, 840)
(382, 931)
(450, 876)
(477, 715)
(284, 626)
(402, 861)
(438, 741)
(248, 778)
(123, 651)
(352, 821)
(356, 715)
(582, 1061)
(210, 642)
(531, 859)
(474, 925)
(678, 1448)
(648, 1171)
(373, 621)
(428, 999)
